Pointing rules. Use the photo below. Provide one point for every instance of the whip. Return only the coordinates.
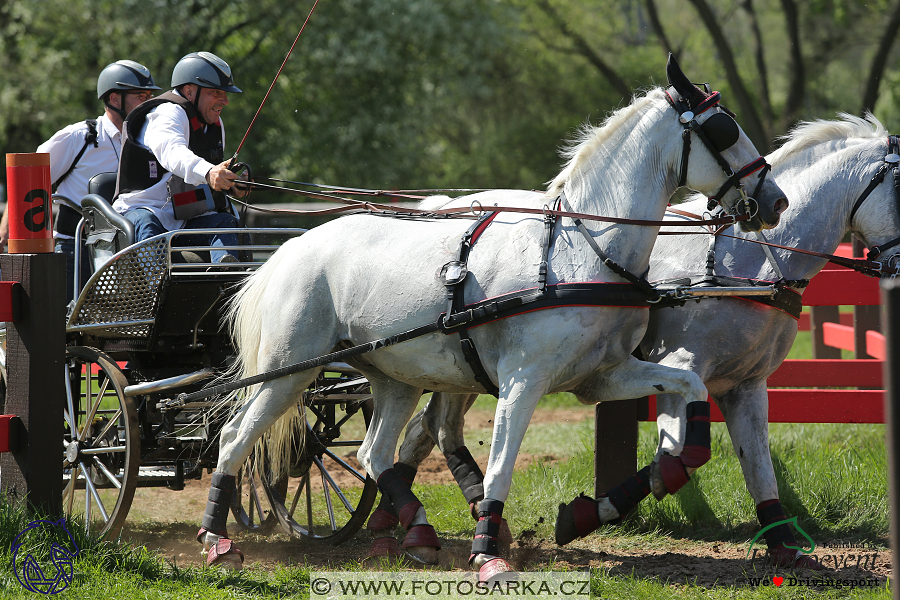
(234, 158)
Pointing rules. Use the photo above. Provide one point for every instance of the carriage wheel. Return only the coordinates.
(325, 498)
(102, 450)
(249, 506)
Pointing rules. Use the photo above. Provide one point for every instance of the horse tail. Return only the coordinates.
(244, 319)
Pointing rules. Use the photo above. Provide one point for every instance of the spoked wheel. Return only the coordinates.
(101, 445)
(325, 498)
(249, 505)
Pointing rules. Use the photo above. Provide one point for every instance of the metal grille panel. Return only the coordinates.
(125, 289)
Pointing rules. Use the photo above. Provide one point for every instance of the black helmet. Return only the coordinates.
(124, 76)
(204, 69)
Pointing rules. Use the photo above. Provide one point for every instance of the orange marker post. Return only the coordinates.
(28, 197)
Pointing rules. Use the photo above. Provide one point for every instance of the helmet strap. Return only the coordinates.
(119, 111)
(196, 103)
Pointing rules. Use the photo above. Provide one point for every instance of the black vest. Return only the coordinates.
(139, 169)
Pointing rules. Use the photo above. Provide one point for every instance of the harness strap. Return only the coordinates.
(90, 138)
(891, 162)
(616, 268)
(454, 300)
(339, 356)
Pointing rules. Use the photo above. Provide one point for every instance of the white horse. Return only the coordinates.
(364, 278)
(733, 344)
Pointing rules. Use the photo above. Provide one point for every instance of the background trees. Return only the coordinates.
(469, 93)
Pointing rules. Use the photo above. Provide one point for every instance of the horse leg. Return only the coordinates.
(667, 473)
(441, 420)
(394, 405)
(236, 442)
(746, 409)
(519, 395)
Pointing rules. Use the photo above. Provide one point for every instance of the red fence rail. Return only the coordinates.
(801, 390)
(798, 390)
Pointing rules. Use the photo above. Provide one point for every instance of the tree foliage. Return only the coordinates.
(470, 93)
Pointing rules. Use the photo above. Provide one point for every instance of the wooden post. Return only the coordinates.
(35, 391)
(890, 299)
(615, 443)
(36, 341)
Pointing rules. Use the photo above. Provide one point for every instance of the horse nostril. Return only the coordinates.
(781, 205)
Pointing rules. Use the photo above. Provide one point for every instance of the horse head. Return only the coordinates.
(724, 148)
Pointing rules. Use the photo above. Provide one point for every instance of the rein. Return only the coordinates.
(476, 208)
(866, 266)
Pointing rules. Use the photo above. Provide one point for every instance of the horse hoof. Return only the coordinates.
(786, 557)
(426, 555)
(384, 546)
(225, 554)
(656, 481)
(576, 519)
(495, 569)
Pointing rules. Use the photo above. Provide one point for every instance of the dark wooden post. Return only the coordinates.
(890, 299)
(615, 442)
(36, 341)
(35, 392)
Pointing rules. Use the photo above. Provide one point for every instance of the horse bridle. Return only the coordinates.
(890, 162)
(717, 134)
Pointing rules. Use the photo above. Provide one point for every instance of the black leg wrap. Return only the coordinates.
(697, 433)
(696, 450)
(769, 512)
(407, 473)
(221, 491)
(634, 489)
(405, 503)
(490, 515)
(467, 474)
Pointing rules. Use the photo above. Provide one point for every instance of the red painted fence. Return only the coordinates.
(799, 390)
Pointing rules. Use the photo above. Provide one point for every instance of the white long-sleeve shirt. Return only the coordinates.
(167, 134)
(65, 145)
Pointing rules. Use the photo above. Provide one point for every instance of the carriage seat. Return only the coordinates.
(105, 231)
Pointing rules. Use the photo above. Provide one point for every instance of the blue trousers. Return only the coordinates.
(146, 225)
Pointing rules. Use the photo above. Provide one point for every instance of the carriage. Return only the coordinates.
(145, 327)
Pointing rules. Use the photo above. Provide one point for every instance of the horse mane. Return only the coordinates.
(588, 138)
(812, 133)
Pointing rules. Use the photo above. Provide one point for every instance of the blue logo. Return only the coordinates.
(44, 577)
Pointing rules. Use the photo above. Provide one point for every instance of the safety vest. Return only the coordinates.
(139, 169)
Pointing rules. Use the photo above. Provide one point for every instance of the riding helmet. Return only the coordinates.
(204, 69)
(124, 76)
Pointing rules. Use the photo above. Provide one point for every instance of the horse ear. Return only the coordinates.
(679, 81)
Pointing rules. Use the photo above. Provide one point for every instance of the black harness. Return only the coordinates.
(892, 163)
(460, 317)
(718, 133)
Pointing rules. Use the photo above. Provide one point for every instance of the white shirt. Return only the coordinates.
(65, 145)
(167, 134)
